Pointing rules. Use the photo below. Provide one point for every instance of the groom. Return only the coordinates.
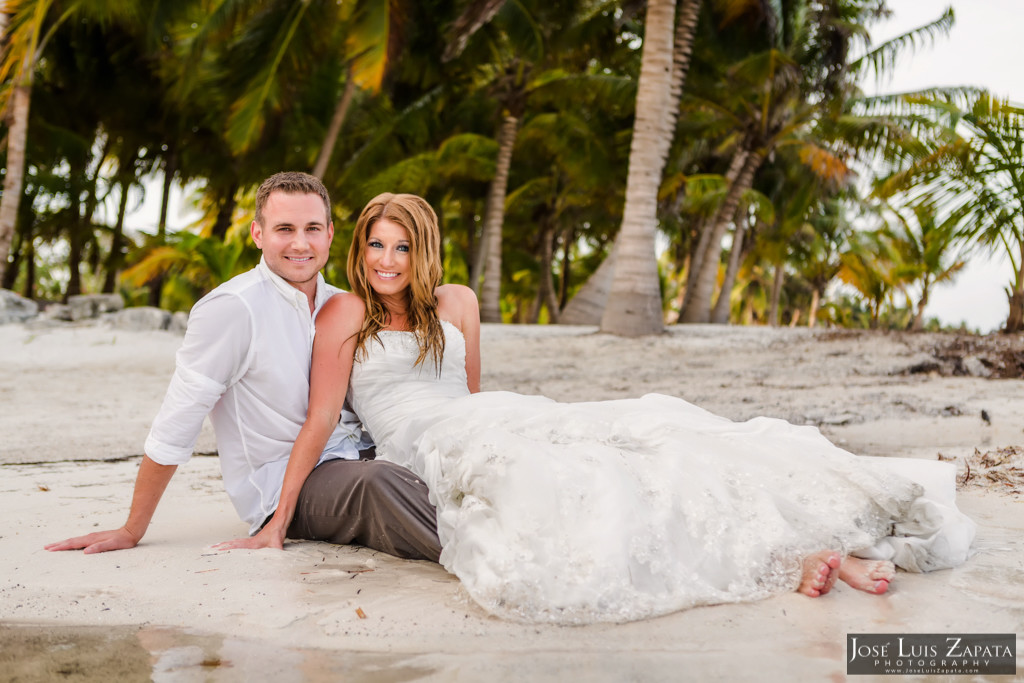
(245, 361)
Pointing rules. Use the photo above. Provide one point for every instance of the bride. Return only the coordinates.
(603, 511)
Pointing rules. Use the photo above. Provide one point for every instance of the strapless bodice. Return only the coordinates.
(391, 394)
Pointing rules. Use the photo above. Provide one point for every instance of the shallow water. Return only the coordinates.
(34, 653)
(37, 653)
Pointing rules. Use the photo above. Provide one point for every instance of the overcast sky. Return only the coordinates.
(985, 48)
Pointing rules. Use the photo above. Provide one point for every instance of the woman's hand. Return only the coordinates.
(334, 345)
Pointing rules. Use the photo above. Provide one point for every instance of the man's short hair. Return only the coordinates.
(291, 182)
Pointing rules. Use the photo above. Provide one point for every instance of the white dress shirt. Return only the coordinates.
(245, 362)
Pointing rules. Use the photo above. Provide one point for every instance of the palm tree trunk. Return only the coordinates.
(156, 285)
(15, 257)
(1015, 319)
(682, 49)
(225, 212)
(634, 302)
(698, 305)
(773, 308)
(115, 257)
(490, 292)
(706, 230)
(587, 307)
(720, 313)
(75, 246)
(595, 291)
(29, 290)
(563, 284)
(545, 288)
(812, 313)
(170, 169)
(334, 129)
(17, 134)
(24, 249)
(918, 322)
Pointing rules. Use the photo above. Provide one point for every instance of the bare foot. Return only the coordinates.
(820, 571)
(872, 576)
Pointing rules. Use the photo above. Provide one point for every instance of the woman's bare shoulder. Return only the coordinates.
(458, 305)
(344, 309)
(453, 294)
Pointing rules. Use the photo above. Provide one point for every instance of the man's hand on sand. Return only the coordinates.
(98, 542)
(268, 537)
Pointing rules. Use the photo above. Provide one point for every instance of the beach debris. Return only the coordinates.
(985, 417)
(356, 572)
(360, 613)
(43, 487)
(1001, 469)
(993, 356)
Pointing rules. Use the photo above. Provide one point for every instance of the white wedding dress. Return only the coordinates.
(620, 510)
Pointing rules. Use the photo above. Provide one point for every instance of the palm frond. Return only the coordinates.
(882, 59)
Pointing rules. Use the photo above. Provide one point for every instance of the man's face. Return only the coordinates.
(295, 238)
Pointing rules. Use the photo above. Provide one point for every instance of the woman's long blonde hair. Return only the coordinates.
(419, 220)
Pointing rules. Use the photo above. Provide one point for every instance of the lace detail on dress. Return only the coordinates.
(620, 510)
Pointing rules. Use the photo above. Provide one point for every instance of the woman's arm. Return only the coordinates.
(333, 350)
(458, 304)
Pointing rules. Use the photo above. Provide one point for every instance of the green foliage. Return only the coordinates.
(221, 93)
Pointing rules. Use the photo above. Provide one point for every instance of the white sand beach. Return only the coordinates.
(78, 400)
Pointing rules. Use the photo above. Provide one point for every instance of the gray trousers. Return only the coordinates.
(371, 503)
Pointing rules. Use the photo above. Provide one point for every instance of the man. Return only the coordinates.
(245, 361)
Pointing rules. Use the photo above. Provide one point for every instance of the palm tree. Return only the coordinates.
(817, 247)
(923, 250)
(870, 267)
(796, 95)
(30, 23)
(534, 51)
(591, 303)
(634, 299)
(22, 39)
(973, 168)
(194, 264)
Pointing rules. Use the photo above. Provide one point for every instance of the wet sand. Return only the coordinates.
(77, 405)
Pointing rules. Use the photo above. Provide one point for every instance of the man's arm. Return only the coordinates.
(213, 351)
(150, 484)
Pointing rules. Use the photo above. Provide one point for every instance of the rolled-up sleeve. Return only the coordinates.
(214, 354)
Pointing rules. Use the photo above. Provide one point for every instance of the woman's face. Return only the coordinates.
(388, 260)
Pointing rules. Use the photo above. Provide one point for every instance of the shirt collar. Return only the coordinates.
(291, 293)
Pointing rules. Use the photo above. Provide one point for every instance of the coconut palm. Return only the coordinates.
(634, 299)
(926, 248)
(870, 266)
(30, 23)
(194, 265)
(797, 95)
(633, 310)
(522, 56)
(973, 170)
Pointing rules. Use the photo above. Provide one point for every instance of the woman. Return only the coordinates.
(605, 511)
